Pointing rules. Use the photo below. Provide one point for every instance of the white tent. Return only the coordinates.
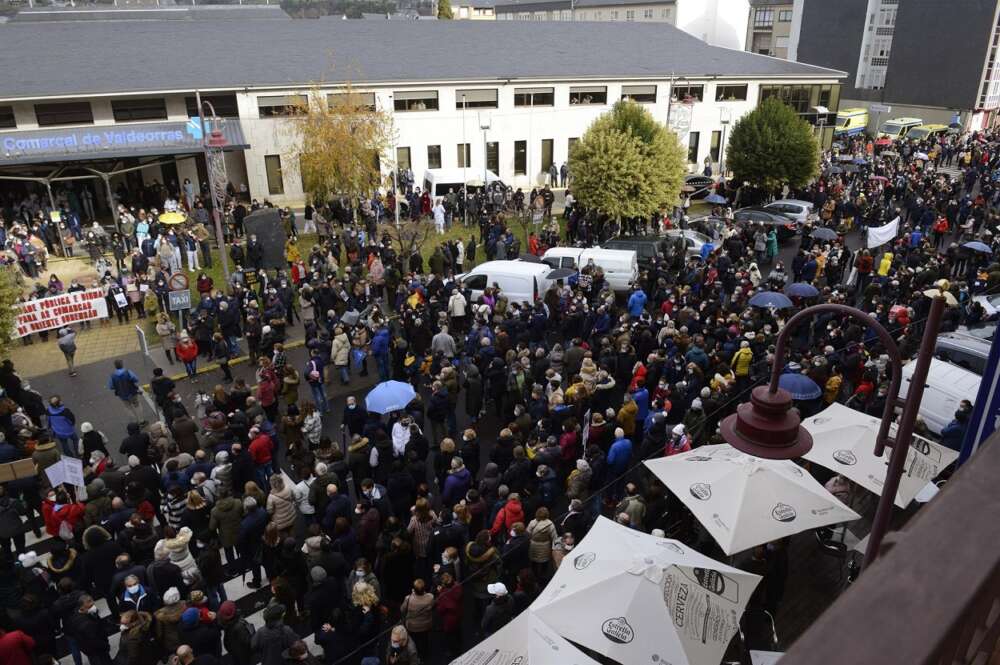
(640, 599)
(743, 501)
(844, 442)
(526, 640)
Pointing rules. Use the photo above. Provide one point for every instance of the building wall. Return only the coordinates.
(770, 37)
(647, 13)
(470, 13)
(718, 22)
(447, 128)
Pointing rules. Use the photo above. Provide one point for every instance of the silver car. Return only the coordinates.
(800, 211)
(966, 347)
(693, 240)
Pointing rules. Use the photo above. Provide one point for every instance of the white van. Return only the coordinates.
(947, 385)
(439, 181)
(519, 281)
(620, 266)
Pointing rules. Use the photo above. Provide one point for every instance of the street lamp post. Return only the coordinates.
(215, 167)
(395, 170)
(821, 112)
(766, 426)
(465, 166)
(725, 115)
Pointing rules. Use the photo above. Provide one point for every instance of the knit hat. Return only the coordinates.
(28, 559)
(86, 428)
(497, 589)
(221, 457)
(171, 596)
(227, 610)
(133, 461)
(696, 404)
(317, 573)
(189, 617)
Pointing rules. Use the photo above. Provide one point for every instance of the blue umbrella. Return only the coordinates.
(771, 299)
(799, 385)
(860, 160)
(389, 396)
(977, 246)
(801, 290)
(715, 198)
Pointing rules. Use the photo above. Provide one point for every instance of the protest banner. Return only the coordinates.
(57, 311)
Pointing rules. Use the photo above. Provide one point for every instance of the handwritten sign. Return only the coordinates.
(57, 311)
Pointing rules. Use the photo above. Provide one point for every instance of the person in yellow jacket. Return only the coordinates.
(741, 362)
(885, 264)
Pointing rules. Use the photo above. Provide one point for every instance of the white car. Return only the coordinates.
(800, 211)
(692, 239)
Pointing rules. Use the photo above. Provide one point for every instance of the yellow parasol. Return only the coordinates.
(173, 218)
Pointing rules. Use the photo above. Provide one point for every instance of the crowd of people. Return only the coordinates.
(406, 537)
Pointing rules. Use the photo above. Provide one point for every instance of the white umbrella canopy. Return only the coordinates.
(526, 640)
(637, 598)
(844, 442)
(743, 501)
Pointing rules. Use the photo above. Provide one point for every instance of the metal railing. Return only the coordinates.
(933, 596)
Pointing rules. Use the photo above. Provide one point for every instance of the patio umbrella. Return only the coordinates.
(743, 501)
(799, 385)
(949, 299)
(978, 246)
(771, 299)
(172, 218)
(389, 396)
(824, 233)
(526, 640)
(801, 290)
(636, 598)
(844, 442)
(715, 198)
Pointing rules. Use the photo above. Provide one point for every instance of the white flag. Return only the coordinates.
(879, 235)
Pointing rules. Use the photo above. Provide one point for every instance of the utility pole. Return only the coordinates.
(215, 168)
(670, 99)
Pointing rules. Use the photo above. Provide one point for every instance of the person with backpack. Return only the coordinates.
(273, 638)
(237, 634)
(62, 422)
(67, 344)
(125, 385)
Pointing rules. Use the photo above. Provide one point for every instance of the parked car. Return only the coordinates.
(620, 267)
(645, 247)
(693, 240)
(800, 211)
(520, 281)
(966, 347)
(703, 185)
(947, 385)
(990, 303)
(787, 227)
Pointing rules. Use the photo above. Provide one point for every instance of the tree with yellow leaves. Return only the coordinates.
(339, 143)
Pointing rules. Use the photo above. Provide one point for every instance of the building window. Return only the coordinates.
(713, 149)
(433, 156)
(781, 42)
(688, 93)
(614, 14)
(629, 14)
(731, 93)
(275, 180)
(570, 144)
(7, 120)
(534, 96)
(464, 155)
(520, 157)
(493, 157)
(476, 99)
(403, 159)
(644, 94)
(588, 94)
(64, 113)
(763, 18)
(693, 139)
(281, 105)
(225, 105)
(415, 100)
(126, 110)
(665, 13)
(365, 100)
(647, 14)
(547, 154)
(785, 16)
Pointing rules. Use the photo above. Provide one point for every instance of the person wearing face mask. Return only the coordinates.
(401, 649)
(136, 646)
(90, 632)
(137, 597)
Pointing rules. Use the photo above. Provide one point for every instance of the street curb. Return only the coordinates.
(214, 366)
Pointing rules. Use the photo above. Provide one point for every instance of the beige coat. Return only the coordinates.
(340, 350)
(281, 508)
(542, 534)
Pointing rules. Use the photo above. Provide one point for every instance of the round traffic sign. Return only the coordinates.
(178, 281)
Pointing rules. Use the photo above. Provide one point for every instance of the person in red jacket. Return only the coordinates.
(261, 451)
(15, 648)
(58, 508)
(187, 352)
(511, 513)
(449, 608)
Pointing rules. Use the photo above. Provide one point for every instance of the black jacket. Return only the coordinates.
(204, 639)
(90, 633)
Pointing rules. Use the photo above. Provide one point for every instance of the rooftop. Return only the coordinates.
(129, 56)
(513, 5)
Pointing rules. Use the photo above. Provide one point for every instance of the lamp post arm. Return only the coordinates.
(895, 359)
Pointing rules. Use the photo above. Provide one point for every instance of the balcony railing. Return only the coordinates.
(933, 597)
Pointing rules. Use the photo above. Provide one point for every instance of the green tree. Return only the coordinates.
(10, 291)
(772, 146)
(627, 164)
(444, 9)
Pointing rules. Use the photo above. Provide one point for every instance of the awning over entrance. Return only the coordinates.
(112, 141)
